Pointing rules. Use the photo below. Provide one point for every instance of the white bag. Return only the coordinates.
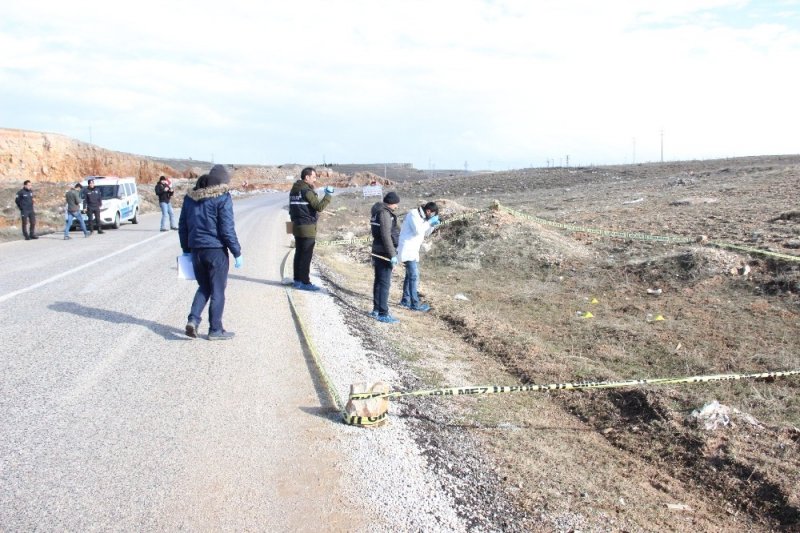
(185, 267)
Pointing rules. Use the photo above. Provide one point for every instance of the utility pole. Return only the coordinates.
(633, 159)
(662, 145)
(567, 159)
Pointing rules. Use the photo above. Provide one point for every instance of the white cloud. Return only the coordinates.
(513, 81)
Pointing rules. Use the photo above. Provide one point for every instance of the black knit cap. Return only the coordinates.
(218, 175)
(391, 198)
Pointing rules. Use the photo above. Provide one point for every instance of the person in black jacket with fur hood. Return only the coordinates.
(207, 232)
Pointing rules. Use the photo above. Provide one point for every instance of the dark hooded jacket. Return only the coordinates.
(206, 220)
(385, 231)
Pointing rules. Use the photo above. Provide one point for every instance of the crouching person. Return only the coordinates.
(207, 232)
(418, 224)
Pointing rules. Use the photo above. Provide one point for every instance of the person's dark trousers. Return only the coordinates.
(381, 285)
(94, 213)
(28, 218)
(211, 270)
(303, 250)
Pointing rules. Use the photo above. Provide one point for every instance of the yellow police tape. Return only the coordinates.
(497, 389)
(332, 392)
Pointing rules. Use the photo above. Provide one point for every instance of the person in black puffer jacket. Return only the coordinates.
(207, 232)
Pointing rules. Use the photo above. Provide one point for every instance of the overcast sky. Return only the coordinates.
(490, 84)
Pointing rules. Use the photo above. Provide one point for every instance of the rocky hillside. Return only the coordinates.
(56, 158)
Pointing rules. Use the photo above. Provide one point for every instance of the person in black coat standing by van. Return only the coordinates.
(93, 202)
(207, 232)
(24, 201)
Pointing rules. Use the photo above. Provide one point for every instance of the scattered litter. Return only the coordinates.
(594, 301)
(740, 270)
(461, 296)
(714, 415)
(654, 292)
(633, 201)
(654, 318)
(678, 507)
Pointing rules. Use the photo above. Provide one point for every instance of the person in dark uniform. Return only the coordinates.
(92, 202)
(24, 201)
(304, 208)
(385, 235)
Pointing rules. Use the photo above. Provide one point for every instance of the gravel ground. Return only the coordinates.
(417, 471)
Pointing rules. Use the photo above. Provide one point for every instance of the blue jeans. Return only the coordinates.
(381, 285)
(211, 270)
(410, 284)
(71, 216)
(167, 214)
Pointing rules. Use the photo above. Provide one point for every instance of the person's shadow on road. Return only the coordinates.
(115, 317)
(258, 280)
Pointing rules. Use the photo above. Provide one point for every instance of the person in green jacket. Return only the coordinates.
(304, 208)
(73, 198)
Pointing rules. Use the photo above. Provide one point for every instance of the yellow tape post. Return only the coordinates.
(579, 385)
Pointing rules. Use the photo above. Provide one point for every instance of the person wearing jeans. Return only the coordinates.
(206, 231)
(164, 192)
(73, 198)
(383, 224)
(417, 225)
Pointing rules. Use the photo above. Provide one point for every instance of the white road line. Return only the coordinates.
(76, 269)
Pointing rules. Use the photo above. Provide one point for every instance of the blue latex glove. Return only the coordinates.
(434, 220)
(187, 254)
(394, 261)
(328, 189)
(238, 261)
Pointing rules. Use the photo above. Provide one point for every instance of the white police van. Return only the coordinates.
(120, 199)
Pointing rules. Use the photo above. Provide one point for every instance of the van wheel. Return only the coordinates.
(115, 225)
(135, 219)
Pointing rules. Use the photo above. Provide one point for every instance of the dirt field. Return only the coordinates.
(622, 459)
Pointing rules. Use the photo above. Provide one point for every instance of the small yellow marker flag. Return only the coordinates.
(658, 318)
(594, 301)
(587, 314)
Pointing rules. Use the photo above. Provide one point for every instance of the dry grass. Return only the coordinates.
(527, 287)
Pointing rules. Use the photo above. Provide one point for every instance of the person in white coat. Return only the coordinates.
(418, 224)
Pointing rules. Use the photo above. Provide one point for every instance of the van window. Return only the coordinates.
(129, 189)
(107, 191)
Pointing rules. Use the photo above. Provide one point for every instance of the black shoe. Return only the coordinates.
(191, 330)
(220, 335)
(176, 229)
(164, 229)
(27, 238)
(100, 231)
(34, 236)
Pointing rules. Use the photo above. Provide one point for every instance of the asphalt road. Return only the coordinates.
(110, 418)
